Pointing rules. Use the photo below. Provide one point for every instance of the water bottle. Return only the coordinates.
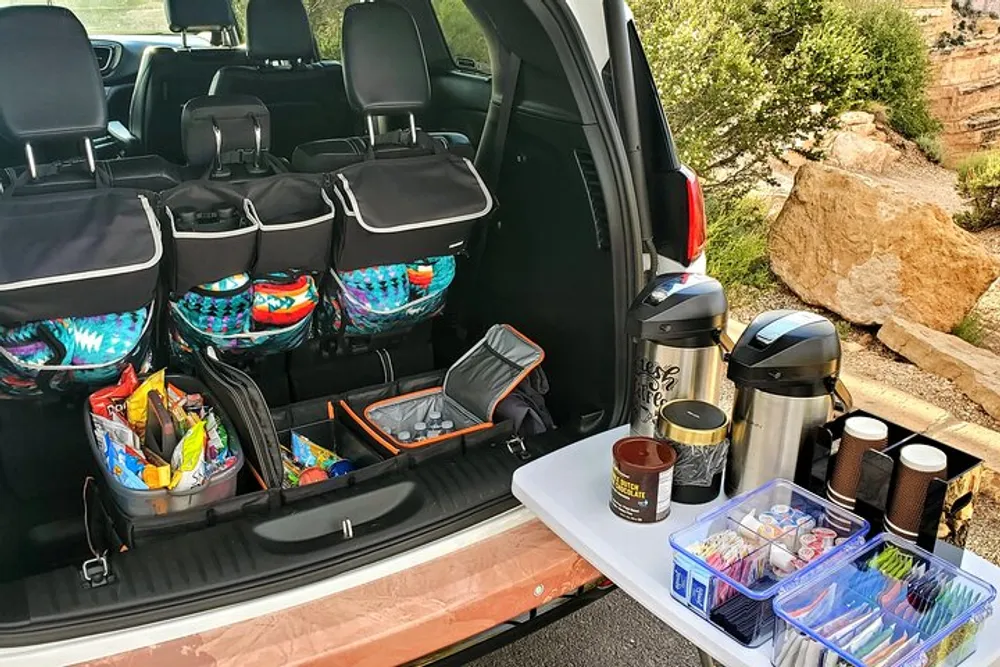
(420, 431)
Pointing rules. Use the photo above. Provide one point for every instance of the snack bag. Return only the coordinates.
(217, 448)
(188, 460)
(138, 402)
(124, 464)
(117, 429)
(176, 400)
(156, 474)
(109, 400)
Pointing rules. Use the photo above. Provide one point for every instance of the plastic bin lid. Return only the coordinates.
(678, 305)
(860, 530)
(972, 585)
(783, 348)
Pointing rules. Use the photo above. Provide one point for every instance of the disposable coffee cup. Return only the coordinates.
(860, 435)
(918, 465)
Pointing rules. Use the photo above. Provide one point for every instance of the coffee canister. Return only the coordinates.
(641, 479)
(698, 433)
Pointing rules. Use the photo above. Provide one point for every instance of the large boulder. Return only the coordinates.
(858, 152)
(868, 252)
(974, 370)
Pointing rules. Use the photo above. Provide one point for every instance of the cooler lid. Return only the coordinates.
(678, 305)
(786, 347)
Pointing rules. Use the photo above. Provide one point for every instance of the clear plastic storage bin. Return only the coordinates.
(891, 605)
(144, 503)
(730, 564)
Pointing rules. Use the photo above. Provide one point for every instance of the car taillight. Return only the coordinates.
(697, 223)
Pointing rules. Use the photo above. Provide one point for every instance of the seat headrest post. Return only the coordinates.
(371, 129)
(413, 129)
(29, 155)
(184, 39)
(257, 141)
(88, 150)
(220, 170)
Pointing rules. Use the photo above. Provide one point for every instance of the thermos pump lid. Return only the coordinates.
(678, 306)
(787, 351)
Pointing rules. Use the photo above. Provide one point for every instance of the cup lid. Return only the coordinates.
(866, 428)
(644, 453)
(923, 458)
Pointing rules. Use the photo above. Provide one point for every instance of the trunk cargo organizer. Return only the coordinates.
(463, 404)
(78, 276)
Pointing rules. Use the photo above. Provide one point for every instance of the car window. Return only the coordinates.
(111, 17)
(465, 38)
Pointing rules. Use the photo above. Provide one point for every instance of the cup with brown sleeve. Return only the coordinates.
(918, 465)
(860, 435)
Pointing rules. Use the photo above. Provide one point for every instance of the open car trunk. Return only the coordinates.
(266, 540)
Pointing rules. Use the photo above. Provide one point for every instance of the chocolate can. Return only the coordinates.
(641, 479)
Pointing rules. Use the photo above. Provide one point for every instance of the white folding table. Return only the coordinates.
(569, 491)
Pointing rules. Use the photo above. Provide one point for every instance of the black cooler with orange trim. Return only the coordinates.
(463, 404)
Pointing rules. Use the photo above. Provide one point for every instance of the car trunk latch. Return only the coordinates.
(96, 572)
(515, 445)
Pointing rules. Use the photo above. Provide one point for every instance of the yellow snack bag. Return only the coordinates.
(138, 402)
(188, 460)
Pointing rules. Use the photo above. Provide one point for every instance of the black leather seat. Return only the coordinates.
(169, 77)
(306, 97)
(55, 59)
(385, 73)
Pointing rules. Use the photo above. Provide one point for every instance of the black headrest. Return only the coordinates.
(199, 14)
(50, 84)
(279, 30)
(234, 115)
(385, 70)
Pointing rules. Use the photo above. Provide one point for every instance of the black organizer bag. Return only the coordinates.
(399, 206)
(221, 241)
(77, 254)
(294, 215)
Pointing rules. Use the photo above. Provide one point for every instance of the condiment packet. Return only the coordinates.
(188, 460)
(138, 402)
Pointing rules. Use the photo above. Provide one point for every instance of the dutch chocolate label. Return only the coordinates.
(643, 497)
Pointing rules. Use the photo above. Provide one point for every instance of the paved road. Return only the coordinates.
(613, 631)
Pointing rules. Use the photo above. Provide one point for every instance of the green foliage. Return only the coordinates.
(896, 64)
(742, 79)
(737, 243)
(462, 33)
(930, 145)
(979, 182)
(970, 329)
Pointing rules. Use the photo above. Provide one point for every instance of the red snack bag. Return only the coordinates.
(110, 400)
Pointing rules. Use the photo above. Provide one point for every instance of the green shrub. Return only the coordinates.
(896, 65)
(740, 80)
(737, 243)
(930, 145)
(979, 182)
(970, 329)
